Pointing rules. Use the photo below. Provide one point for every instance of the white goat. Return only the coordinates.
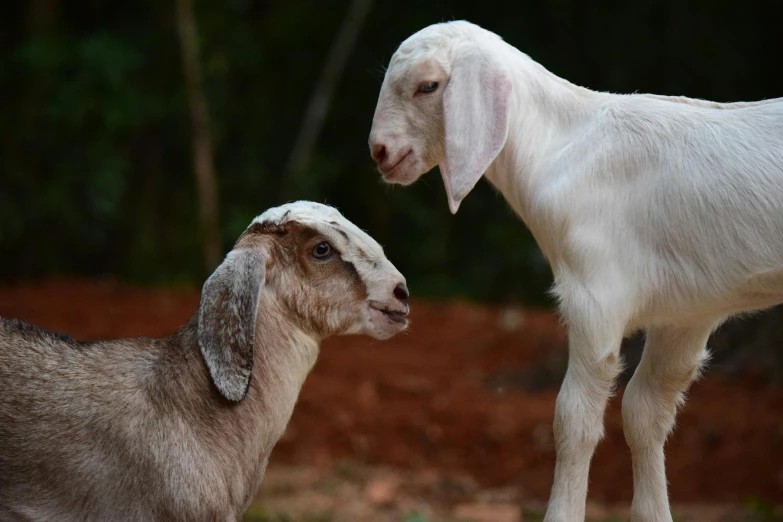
(654, 212)
(181, 429)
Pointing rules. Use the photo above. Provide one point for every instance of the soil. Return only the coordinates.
(467, 392)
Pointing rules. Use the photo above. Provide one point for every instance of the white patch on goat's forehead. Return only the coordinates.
(298, 211)
(326, 220)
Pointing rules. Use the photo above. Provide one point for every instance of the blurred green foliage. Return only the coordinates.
(94, 130)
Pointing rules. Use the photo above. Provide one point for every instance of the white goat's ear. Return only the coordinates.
(475, 114)
(226, 320)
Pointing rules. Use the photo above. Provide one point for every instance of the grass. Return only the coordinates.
(762, 511)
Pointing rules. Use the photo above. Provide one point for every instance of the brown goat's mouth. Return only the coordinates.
(397, 316)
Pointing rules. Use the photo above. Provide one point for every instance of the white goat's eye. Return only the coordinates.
(322, 250)
(427, 87)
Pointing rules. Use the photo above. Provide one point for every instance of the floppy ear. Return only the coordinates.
(475, 114)
(226, 320)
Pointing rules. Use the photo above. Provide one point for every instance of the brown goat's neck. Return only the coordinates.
(283, 356)
(240, 436)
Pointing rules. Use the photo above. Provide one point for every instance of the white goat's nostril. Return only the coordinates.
(379, 153)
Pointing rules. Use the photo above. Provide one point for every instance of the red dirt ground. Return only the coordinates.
(422, 401)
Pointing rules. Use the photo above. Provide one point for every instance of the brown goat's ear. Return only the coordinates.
(226, 320)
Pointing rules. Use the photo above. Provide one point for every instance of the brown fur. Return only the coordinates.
(136, 429)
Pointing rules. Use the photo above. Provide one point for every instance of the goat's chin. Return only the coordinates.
(404, 178)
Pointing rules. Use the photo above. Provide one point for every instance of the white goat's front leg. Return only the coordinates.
(593, 364)
(671, 360)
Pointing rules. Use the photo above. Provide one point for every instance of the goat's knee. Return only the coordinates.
(648, 414)
(579, 410)
(655, 392)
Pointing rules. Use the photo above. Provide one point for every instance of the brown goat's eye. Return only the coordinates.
(322, 250)
(427, 87)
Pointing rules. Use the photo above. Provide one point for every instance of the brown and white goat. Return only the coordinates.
(182, 428)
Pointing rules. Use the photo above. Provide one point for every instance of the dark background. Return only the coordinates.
(95, 160)
(96, 175)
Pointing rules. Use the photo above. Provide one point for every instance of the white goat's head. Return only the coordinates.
(304, 261)
(444, 101)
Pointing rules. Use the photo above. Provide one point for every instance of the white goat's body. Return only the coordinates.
(655, 212)
(669, 232)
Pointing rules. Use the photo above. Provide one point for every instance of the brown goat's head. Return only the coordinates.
(315, 267)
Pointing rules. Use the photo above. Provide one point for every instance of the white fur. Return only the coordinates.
(654, 212)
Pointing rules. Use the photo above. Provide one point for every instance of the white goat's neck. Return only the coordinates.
(546, 111)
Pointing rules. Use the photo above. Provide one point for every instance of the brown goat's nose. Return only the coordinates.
(401, 293)
(379, 153)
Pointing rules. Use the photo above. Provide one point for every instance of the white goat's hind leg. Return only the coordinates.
(671, 360)
(593, 365)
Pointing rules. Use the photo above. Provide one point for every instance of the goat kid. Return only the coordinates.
(182, 428)
(655, 212)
